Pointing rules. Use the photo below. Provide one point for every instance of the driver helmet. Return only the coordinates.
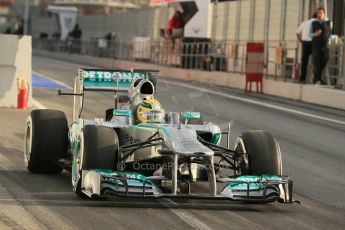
(150, 111)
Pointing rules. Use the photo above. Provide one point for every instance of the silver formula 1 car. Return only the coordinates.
(140, 150)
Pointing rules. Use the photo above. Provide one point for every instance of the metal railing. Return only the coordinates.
(225, 56)
(334, 70)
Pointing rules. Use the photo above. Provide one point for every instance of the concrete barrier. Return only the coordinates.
(307, 93)
(15, 63)
(323, 96)
(282, 89)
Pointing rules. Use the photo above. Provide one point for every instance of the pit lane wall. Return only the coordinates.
(307, 93)
(15, 65)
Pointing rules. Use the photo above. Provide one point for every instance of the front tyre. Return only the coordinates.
(99, 149)
(46, 137)
(261, 153)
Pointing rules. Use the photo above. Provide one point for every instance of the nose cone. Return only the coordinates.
(184, 142)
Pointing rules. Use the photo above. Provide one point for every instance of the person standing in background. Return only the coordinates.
(176, 22)
(320, 33)
(303, 35)
(74, 45)
(76, 32)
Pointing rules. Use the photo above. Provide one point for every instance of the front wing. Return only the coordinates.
(256, 189)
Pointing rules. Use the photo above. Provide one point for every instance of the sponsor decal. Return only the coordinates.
(109, 76)
(100, 78)
(122, 112)
(254, 182)
(189, 115)
(132, 178)
(132, 140)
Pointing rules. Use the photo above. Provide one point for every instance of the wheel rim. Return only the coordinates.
(280, 158)
(28, 142)
(243, 164)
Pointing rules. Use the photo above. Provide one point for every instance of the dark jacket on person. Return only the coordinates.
(325, 27)
(76, 33)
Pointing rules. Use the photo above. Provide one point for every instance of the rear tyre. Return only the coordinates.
(99, 151)
(46, 138)
(264, 156)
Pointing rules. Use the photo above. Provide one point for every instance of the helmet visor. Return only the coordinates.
(155, 116)
(156, 106)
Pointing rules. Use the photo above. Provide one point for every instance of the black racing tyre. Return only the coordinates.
(264, 156)
(46, 138)
(101, 147)
(100, 151)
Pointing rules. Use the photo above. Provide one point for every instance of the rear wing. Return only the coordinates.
(107, 81)
(112, 80)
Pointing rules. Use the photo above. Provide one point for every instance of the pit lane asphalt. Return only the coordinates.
(313, 156)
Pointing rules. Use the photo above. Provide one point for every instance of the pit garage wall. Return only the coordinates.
(126, 25)
(15, 62)
(271, 21)
(246, 19)
(235, 20)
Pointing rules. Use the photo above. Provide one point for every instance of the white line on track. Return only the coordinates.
(267, 105)
(184, 215)
(189, 219)
(56, 81)
(37, 104)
